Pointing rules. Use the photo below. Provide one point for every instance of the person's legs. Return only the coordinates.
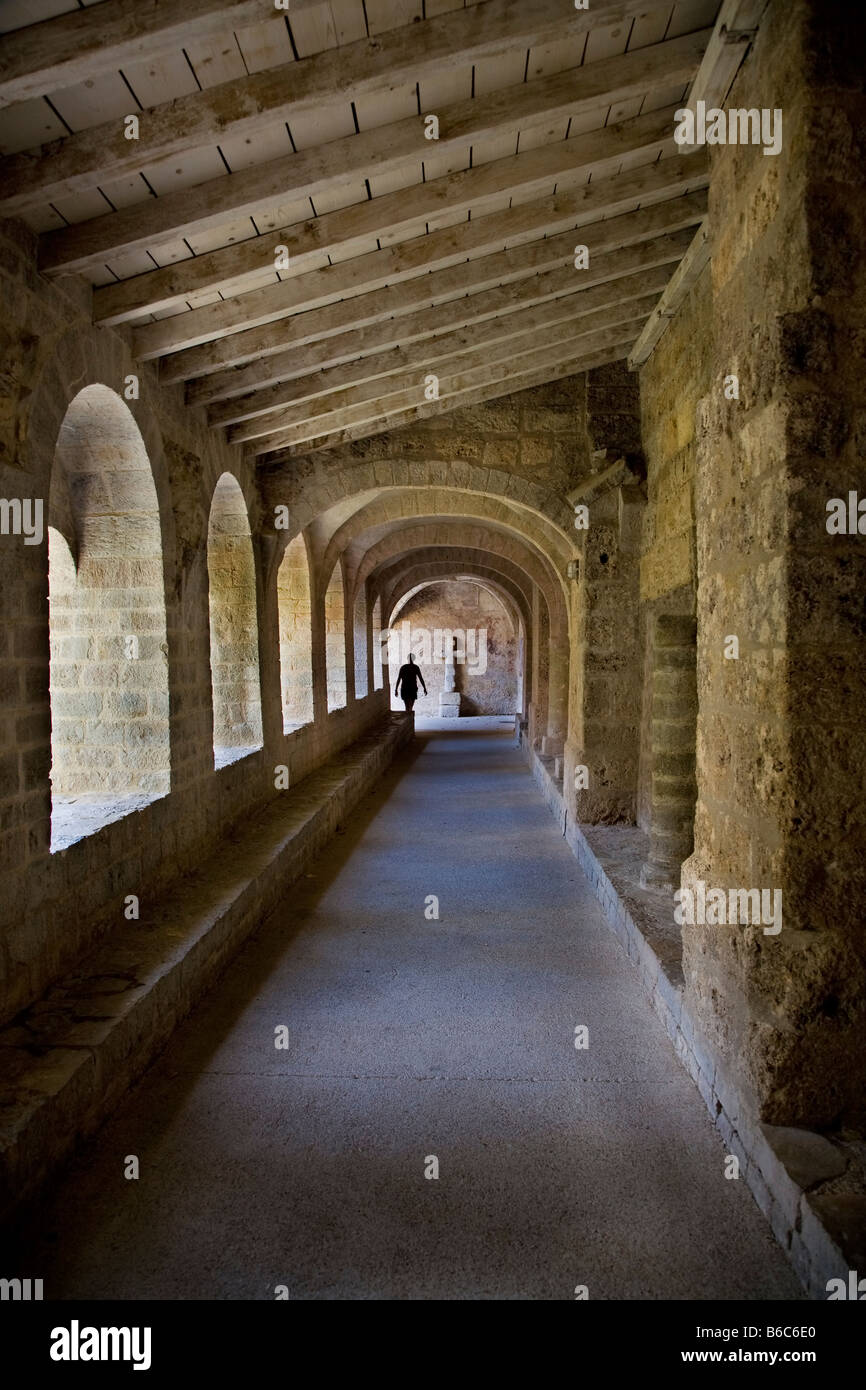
(409, 703)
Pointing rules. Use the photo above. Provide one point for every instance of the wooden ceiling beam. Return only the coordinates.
(733, 33)
(736, 25)
(553, 370)
(536, 353)
(249, 106)
(687, 273)
(399, 146)
(392, 265)
(339, 348)
(230, 268)
(469, 278)
(70, 48)
(250, 413)
(529, 331)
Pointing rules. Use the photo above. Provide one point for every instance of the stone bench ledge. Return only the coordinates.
(72, 1055)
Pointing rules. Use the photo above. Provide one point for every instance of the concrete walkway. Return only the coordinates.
(411, 1038)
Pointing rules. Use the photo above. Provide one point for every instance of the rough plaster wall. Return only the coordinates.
(463, 605)
(672, 382)
(780, 733)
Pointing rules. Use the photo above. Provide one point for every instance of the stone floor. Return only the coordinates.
(470, 723)
(409, 1038)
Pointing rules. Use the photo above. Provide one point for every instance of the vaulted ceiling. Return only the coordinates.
(277, 230)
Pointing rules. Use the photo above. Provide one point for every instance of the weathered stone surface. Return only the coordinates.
(809, 1158)
(844, 1219)
(258, 654)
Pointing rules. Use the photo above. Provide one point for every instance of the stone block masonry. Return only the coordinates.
(129, 489)
(674, 711)
(196, 641)
(780, 735)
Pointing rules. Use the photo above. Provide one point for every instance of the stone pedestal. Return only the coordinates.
(449, 698)
(674, 712)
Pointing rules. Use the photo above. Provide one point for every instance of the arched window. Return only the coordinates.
(106, 602)
(335, 639)
(378, 674)
(359, 644)
(234, 636)
(295, 617)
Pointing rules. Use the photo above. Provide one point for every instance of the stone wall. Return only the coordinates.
(601, 753)
(780, 729)
(538, 433)
(52, 906)
(672, 382)
(526, 452)
(465, 607)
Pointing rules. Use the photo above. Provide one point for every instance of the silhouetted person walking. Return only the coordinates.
(407, 683)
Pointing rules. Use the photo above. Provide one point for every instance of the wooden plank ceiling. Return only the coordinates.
(304, 129)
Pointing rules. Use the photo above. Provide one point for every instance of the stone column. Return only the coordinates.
(604, 714)
(540, 654)
(674, 715)
(557, 695)
(781, 733)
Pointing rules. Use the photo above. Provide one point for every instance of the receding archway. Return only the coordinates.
(462, 616)
(234, 637)
(108, 649)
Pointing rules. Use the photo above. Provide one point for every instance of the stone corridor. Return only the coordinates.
(340, 333)
(411, 1038)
